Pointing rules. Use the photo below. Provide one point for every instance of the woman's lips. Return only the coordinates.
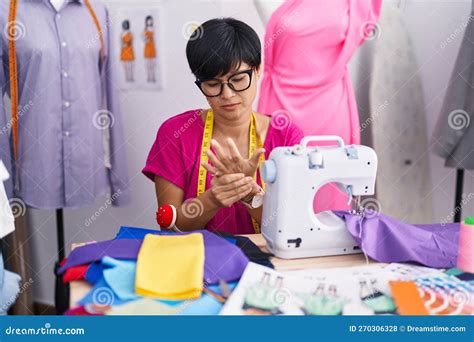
(231, 106)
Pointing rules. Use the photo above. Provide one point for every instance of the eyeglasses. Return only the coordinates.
(238, 82)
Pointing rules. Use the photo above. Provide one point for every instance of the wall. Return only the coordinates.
(429, 23)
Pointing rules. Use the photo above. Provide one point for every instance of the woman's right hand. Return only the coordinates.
(231, 188)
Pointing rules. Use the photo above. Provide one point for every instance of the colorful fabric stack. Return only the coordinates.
(165, 267)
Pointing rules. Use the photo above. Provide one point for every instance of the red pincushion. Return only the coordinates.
(166, 216)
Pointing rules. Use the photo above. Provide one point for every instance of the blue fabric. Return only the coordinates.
(206, 305)
(231, 240)
(120, 276)
(94, 272)
(9, 290)
(102, 294)
(136, 233)
(9, 287)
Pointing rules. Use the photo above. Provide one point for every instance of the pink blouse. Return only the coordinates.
(175, 156)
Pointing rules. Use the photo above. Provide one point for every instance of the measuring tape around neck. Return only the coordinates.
(13, 71)
(254, 143)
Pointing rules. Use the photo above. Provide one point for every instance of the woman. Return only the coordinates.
(225, 57)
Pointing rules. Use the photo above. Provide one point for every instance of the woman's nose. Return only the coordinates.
(227, 92)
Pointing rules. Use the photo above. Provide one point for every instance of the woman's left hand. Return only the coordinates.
(229, 160)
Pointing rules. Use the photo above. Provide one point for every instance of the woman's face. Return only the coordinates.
(231, 104)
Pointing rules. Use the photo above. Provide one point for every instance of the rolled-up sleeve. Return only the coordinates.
(165, 158)
(293, 135)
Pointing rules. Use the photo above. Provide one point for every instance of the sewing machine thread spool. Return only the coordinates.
(465, 259)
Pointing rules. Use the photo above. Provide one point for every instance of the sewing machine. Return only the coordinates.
(293, 175)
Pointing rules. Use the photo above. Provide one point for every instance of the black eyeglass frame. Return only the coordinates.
(249, 72)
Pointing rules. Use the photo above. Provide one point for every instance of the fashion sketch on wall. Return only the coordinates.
(136, 32)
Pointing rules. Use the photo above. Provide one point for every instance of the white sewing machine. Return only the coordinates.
(293, 175)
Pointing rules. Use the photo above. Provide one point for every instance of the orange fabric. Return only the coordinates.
(127, 53)
(12, 65)
(150, 51)
(407, 298)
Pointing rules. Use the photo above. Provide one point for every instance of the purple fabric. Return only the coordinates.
(222, 259)
(386, 239)
(118, 249)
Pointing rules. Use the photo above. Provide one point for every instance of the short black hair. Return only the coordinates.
(221, 45)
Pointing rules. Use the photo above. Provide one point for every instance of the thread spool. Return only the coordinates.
(465, 259)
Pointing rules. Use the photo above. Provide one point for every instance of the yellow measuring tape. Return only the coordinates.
(254, 142)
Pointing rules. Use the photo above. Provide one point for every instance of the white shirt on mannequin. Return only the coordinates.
(57, 4)
(265, 8)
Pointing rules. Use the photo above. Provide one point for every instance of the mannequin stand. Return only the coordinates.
(61, 293)
(458, 195)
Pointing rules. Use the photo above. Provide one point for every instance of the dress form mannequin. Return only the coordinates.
(311, 87)
(57, 4)
(82, 85)
(265, 8)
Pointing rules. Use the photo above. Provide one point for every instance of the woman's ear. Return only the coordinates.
(258, 71)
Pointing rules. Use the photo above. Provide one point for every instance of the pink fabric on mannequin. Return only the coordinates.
(307, 47)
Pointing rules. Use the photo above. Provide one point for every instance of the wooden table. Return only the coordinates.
(78, 289)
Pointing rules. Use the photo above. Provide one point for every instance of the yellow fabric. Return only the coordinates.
(170, 266)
